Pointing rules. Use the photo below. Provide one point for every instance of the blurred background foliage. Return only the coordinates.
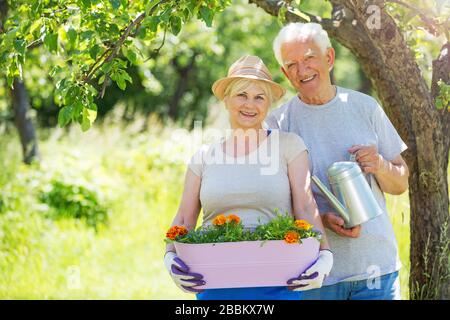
(88, 220)
(175, 84)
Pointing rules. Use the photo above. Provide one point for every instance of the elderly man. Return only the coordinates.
(336, 123)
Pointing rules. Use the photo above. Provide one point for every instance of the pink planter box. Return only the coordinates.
(248, 263)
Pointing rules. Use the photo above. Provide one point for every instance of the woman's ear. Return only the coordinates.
(225, 101)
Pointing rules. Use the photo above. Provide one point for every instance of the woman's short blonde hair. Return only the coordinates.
(239, 85)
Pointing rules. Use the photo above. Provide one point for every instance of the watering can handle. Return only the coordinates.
(332, 199)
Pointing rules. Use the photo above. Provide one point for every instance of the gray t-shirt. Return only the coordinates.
(253, 187)
(328, 131)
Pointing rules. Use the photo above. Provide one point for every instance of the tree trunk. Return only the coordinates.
(366, 84)
(388, 62)
(182, 84)
(23, 122)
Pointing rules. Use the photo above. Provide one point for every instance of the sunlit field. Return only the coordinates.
(132, 178)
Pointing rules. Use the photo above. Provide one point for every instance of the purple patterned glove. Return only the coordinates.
(180, 274)
(314, 276)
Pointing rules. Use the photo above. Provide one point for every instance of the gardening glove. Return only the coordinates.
(180, 274)
(313, 277)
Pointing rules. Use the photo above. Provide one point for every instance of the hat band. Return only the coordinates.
(250, 71)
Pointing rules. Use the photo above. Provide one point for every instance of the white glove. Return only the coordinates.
(180, 274)
(313, 277)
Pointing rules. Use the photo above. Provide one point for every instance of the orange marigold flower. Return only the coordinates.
(219, 220)
(233, 218)
(182, 231)
(303, 224)
(291, 237)
(176, 231)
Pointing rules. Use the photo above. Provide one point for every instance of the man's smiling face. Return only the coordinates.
(307, 67)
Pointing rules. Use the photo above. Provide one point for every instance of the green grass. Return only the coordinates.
(42, 258)
(138, 177)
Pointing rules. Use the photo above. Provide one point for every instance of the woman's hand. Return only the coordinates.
(180, 274)
(313, 277)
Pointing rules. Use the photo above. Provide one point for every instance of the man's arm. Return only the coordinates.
(392, 176)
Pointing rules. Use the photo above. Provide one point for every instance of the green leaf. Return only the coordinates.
(130, 55)
(115, 4)
(175, 25)
(282, 15)
(101, 79)
(35, 27)
(207, 15)
(153, 23)
(114, 29)
(87, 35)
(20, 46)
(165, 16)
(126, 77)
(65, 115)
(86, 3)
(85, 124)
(51, 41)
(121, 83)
(72, 95)
(150, 5)
(10, 80)
(93, 52)
(72, 36)
(54, 71)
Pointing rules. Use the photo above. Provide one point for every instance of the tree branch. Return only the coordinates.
(35, 44)
(273, 7)
(112, 52)
(430, 23)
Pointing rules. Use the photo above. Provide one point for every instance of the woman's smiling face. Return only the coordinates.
(248, 105)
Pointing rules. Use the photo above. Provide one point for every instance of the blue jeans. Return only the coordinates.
(260, 293)
(386, 287)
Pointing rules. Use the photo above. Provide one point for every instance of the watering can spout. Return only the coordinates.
(340, 208)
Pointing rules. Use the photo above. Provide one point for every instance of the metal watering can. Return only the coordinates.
(353, 198)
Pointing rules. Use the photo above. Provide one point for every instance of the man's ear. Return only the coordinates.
(284, 72)
(331, 54)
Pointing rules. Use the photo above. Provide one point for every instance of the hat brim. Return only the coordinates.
(219, 87)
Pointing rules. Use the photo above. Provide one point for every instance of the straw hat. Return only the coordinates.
(247, 67)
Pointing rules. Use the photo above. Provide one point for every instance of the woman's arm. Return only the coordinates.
(303, 204)
(189, 207)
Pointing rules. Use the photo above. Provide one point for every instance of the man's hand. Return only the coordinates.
(336, 224)
(368, 158)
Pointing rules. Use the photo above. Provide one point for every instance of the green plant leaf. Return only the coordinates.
(20, 46)
(51, 41)
(175, 25)
(93, 52)
(65, 115)
(207, 15)
(72, 37)
(115, 4)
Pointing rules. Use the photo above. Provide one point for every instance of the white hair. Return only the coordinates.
(300, 31)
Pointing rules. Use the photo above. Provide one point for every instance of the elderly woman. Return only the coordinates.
(241, 188)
